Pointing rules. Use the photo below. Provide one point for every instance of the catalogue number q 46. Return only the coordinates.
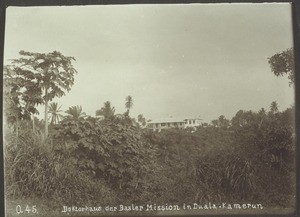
(26, 209)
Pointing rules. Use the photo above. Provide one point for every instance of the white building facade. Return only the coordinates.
(167, 123)
(192, 122)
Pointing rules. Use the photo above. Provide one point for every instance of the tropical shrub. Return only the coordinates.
(34, 169)
(239, 177)
(106, 150)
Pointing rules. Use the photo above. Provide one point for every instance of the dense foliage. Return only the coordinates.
(246, 160)
(111, 158)
(283, 63)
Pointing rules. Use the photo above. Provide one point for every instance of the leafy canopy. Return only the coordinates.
(53, 72)
(107, 111)
(283, 63)
(21, 95)
(75, 113)
(54, 111)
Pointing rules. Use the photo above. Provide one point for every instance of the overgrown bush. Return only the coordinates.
(239, 177)
(109, 151)
(33, 169)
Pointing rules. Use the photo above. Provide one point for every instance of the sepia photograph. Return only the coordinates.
(149, 110)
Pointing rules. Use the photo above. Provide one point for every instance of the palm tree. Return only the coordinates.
(54, 111)
(142, 120)
(262, 115)
(75, 113)
(262, 112)
(128, 104)
(274, 107)
(106, 111)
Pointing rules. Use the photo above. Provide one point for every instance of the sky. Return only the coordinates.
(193, 60)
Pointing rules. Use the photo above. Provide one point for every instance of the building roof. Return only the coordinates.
(172, 120)
(166, 120)
(189, 118)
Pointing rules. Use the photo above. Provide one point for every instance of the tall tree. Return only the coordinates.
(262, 112)
(52, 74)
(274, 107)
(75, 113)
(282, 63)
(223, 122)
(262, 115)
(142, 120)
(54, 111)
(21, 95)
(107, 111)
(243, 119)
(128, 104)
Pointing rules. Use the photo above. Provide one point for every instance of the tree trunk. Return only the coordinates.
(33, 124)
(46, 114)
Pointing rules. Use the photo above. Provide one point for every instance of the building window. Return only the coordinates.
(169, 124)
(190, 122)
(163, 124)
(194, 121)
(156, 125)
